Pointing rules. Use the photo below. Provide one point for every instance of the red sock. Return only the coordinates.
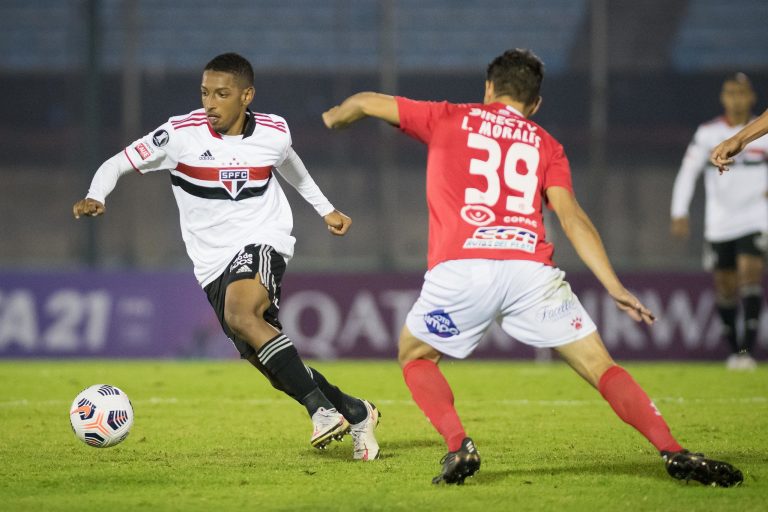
(632, 405)
(433, 395)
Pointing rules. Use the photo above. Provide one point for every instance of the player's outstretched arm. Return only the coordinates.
(586, 240)
(104, 181)
(360, 105)
(722, 155)
(295, 173)
(89, 207)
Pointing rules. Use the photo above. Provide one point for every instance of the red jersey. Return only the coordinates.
(487, 170)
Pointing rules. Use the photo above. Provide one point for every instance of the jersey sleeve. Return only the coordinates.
(558, 171)
(419, 118)
(288, 147)
(694, 162)
(155, 151)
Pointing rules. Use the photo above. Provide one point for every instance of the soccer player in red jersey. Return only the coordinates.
(490, 170)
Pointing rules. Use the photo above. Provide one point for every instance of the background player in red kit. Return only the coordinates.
(236, 224)
(489, 172)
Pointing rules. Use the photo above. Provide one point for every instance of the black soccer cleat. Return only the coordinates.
(460, 464)
(684, 465)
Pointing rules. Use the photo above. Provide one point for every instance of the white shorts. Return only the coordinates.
(532, 302)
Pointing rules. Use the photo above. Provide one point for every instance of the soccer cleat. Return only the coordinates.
(733, 362)
(741, 361)
(684, 465)
(329, 425)
(460, 464)
(366, 446)
(746, 361)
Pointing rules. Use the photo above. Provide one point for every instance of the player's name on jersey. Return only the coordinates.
(500, 126)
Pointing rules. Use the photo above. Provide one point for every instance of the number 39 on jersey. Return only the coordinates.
(518, 170)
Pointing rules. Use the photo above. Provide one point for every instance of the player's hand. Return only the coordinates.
(342, 116)
(680, 227)
(89, 207)
(338, 223)
(632, 306)
(722, 156)
(329, 117)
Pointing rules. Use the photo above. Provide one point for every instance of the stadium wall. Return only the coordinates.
(329, 316)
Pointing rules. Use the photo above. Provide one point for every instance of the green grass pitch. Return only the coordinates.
(215, 436)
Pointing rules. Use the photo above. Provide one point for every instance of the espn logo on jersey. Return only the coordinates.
(503, 237)
(143, 151)
(233, 180)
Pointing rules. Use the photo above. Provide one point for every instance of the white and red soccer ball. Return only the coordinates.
(101, 416)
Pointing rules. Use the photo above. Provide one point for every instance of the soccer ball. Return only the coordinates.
(101, 416)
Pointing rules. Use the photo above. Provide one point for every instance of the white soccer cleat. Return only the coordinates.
(366, 446)
(740, 362)
(733, 362)
(329, 425)
(747, 362)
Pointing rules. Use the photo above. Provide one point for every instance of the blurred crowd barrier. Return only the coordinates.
(328, 316)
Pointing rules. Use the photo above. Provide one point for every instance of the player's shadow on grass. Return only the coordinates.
(531, 476)
(389, 449)
(409, 444)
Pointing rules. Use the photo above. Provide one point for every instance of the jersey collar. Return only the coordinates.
(250, 125)
(506, 107)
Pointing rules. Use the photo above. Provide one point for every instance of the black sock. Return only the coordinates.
(727, 312)
(752, 302)
(280, 357)
(352, 408)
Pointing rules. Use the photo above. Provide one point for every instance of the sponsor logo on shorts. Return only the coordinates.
(142, 150)
(242, 258)
(440, 323)
(554, 313)
(503, 237)
(160, 138)
(576, 323)
(477, 214)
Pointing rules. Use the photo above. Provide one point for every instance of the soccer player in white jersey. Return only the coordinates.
(736, 217)
(236, 224)
(490, 170)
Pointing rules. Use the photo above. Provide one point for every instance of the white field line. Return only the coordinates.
(513, 403)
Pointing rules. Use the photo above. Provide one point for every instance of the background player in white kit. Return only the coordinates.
(736, 217)
(489, 172)
(236, 224)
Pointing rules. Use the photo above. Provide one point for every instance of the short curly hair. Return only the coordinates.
(234, 64)
(517, 73)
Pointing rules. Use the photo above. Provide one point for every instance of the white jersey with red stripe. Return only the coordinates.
(736, 203)
(223, 185)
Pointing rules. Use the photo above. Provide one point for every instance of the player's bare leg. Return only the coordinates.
(727, 299)
(433, 395)
(590, 359)
(246, 302)
(749, 270)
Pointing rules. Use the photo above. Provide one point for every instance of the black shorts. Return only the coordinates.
(723, 254)
(252, 260)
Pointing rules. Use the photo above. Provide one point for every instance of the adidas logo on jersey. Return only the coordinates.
(244, 268)
(207, 155)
